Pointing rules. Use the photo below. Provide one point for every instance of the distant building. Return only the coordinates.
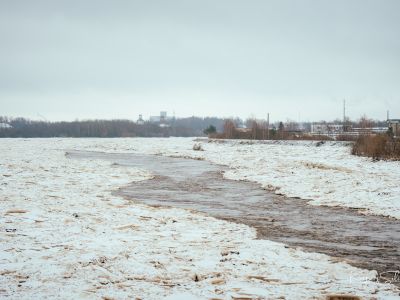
(335, 130)
(140, 121)
(327, 129)
(368, 130)
(394, 126)
(162, 118)
(243, 129)
(5, 126)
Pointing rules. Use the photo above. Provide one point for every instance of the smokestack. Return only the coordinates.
(344, 111)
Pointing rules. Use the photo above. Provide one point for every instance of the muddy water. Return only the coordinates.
(370, 242)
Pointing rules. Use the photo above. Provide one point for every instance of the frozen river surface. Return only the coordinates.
(366, 241)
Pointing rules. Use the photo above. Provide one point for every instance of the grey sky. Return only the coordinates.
(116, 59)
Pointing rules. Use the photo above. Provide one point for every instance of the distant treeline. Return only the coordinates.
(192, 126)
(233, 128)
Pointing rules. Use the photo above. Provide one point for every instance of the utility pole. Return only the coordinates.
(263, 130)
(268, 126)
(344, 115)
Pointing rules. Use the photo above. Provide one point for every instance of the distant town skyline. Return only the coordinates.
(297, 60)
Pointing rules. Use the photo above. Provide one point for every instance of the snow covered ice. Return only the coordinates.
(64, 235)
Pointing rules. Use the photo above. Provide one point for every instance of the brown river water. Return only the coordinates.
(366, 241)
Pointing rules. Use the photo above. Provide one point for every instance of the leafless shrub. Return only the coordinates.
(308, 137)
(379, 146)
(229, 129)
(347, 138)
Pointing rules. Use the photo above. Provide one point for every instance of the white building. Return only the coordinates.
(162, 118)
(326, 129)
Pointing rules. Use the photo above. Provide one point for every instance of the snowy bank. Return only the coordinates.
(324, 175)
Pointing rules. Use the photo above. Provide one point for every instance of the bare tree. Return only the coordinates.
(229, 129)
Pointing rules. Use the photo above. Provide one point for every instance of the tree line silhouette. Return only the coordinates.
(184, 127)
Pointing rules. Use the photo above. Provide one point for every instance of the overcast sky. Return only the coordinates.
(63, 60)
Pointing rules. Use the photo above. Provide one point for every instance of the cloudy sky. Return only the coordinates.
(298, 59)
